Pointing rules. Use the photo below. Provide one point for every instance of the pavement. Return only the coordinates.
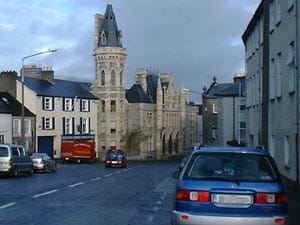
(293, 203)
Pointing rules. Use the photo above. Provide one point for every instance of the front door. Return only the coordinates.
(45, 145)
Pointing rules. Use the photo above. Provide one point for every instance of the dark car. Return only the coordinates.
(43, 162)
(115, 157)
(229, 186)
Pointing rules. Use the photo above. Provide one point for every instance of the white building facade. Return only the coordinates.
(272, 58)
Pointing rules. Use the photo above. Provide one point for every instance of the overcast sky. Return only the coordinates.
(194, 40)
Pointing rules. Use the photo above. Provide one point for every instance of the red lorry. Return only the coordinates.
(78, 150)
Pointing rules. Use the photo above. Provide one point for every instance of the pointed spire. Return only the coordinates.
(110, 36)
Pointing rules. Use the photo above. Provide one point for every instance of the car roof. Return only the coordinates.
(230, 149)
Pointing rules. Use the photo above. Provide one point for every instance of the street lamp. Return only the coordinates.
(22, 80)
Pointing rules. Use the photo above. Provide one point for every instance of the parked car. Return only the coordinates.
(43, 162)
(14, 159)
(115, 157)
(229, 186)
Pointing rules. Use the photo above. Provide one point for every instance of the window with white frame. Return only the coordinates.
(242, 129)
(272, 16)
(291, 68)
(85, 126)
(272, 145)
(278, 11)
(68, 104)
(48, 103)
(278, 76)
(16, 127)
(286, 149)
(261, 31)
(27, 124)
(68, 125)
(48, 123)
(214, 133)
(272, 79)
(215, 109)
(85, 105)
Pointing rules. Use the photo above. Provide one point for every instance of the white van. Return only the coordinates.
(14, 159)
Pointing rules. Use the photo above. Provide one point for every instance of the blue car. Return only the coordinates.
(229, 186)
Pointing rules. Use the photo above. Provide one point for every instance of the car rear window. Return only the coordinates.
(231, 167)
(3, 152)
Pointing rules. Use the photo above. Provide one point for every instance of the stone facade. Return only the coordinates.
(152, 104)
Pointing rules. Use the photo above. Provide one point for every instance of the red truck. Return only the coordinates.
(78, 150)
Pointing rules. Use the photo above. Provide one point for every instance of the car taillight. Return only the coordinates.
(108, 161)
(199, 196)
(271, 198)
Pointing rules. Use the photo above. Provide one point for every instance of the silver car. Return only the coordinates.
(43, 162)
(14, 159)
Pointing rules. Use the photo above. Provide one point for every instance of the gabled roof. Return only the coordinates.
(226, 89)
(136, 94)
(60, 88)
(14, 107)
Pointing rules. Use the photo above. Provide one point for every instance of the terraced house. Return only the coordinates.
(272, 71)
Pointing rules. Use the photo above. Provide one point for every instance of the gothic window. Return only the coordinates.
(113, 106)
(113, 78)
(103, 78)
(103, 105)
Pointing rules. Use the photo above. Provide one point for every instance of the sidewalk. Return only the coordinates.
(293, 202)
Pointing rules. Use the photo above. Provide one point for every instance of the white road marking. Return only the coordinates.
(95, 179)
(77, 184)
(45, 193)
(108, 175)
(155, 209)
(8, 205)
(159, 202)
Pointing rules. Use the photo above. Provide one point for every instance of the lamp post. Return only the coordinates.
(22, 80)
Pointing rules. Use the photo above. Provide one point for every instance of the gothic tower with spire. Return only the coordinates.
(110, 57)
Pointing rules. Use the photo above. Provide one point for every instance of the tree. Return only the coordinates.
(132, 140)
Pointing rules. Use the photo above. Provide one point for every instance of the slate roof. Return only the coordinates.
(60, 88)
(110, 28)
(136, 93)
(226, 89)
(12, 106)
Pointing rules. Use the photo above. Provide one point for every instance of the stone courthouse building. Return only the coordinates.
(152, 106)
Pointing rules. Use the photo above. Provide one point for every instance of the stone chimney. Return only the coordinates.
(8, 82)
(140, 78)
(37, 72)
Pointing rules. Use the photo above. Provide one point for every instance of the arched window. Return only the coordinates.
(103, 38)
(103, 78)
(113, 78)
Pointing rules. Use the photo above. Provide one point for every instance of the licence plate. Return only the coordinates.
(232, 199)
(114, 162)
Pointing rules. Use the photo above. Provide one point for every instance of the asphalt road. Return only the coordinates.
(140, 194)
(90, 194)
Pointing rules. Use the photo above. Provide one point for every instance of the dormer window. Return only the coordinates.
(103, 38)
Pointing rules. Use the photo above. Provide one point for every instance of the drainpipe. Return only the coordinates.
(297, 94)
